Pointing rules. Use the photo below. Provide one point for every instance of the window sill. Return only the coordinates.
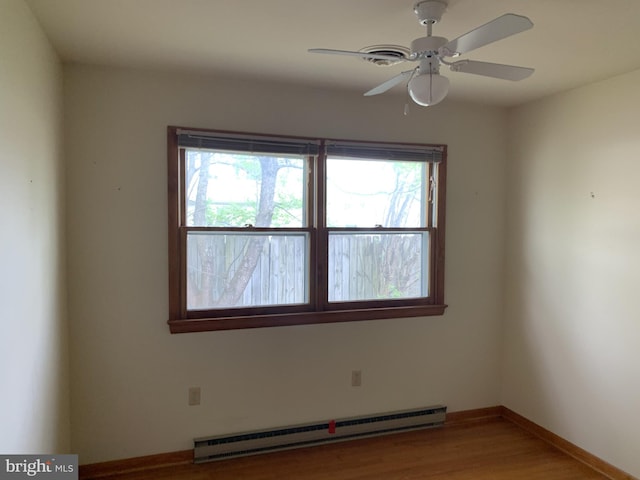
(305, 318)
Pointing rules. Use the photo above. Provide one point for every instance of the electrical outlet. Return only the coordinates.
(194, 396)
(356, 378)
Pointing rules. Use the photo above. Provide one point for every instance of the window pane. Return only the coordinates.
(246, 270)
(376, 266)
(229, 189)
(366, 193)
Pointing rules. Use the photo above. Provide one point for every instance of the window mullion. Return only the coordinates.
(319, 268)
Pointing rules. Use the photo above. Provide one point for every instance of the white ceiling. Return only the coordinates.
(573, 42)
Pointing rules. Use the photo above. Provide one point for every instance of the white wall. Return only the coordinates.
(130, 375)
(572, 337)
(34, 403)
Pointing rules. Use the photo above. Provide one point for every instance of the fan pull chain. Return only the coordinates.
(406, 104)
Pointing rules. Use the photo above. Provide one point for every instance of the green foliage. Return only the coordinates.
(230, 214)
(248, 164)
(287, 211)
(288, 205)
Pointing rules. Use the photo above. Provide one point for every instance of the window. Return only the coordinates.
(271, 231)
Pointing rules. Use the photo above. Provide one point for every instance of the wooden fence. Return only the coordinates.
(360, 267)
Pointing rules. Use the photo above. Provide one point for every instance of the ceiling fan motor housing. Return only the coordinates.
(425, 47)
(430, 11)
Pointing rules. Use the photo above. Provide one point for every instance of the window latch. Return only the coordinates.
(248, 225)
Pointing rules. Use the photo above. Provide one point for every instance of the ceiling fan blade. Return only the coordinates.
(502, 27)
(356, 54)
(392, 82)
(495, 70)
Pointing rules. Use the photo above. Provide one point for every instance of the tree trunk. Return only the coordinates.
(233, 292)
(202, 293)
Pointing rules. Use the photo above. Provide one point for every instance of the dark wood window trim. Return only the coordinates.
(318, 311)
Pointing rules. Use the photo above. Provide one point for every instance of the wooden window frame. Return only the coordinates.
(318, 310)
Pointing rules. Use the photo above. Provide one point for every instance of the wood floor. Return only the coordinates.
(494, 449)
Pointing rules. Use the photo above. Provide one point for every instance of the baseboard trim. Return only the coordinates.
(476, 415)
(565, 446)
(150, 462)
(128, 465)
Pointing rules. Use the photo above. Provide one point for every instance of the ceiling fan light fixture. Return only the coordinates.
(428, 89)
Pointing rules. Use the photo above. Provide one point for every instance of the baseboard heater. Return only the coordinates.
(208, 449)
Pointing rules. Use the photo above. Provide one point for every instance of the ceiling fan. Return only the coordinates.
(425, 84)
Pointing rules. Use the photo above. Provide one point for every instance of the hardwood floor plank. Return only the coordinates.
(572, 450)
(489, 449)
